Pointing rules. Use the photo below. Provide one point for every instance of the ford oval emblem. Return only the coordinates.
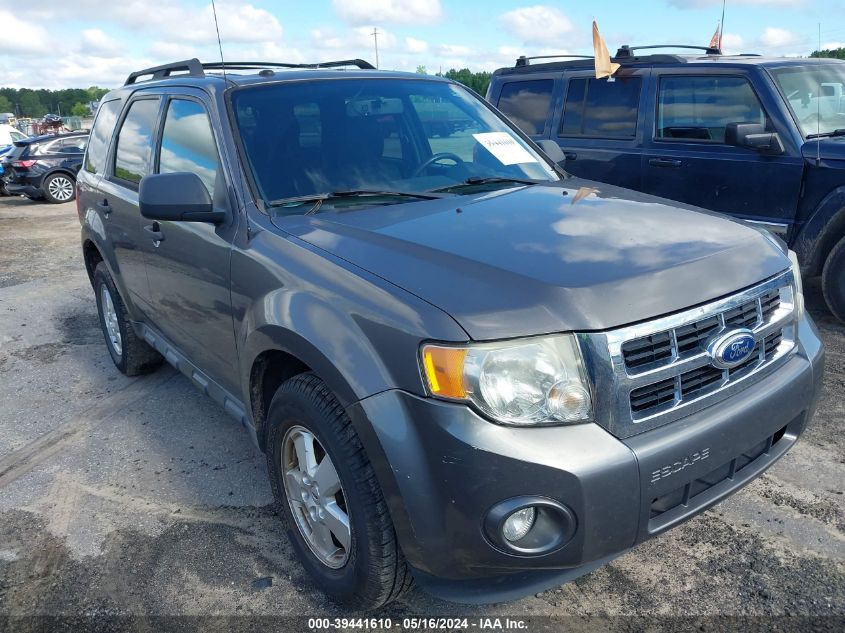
(732, 348)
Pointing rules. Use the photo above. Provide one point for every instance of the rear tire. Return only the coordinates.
(371, 571)
(59, 188)
(131, 355)
(833, 280)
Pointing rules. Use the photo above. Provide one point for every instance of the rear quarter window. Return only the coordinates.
(602, 109)
(527, 104)
(98, 145)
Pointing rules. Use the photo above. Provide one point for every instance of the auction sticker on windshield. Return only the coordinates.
(504, 147)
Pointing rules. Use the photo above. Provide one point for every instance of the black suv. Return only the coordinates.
(760, 138)
(464, 365)
(45, 167)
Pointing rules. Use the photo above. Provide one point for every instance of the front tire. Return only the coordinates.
(131, 355)
(59, 188)
(330, 500)
(833, 280)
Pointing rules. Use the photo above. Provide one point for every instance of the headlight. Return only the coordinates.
(798, 285)
(523, 382)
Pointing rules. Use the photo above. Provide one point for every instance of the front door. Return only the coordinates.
(188, 270)
(686, 158)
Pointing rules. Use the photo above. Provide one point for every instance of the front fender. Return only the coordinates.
(358, 332)
(821, 231)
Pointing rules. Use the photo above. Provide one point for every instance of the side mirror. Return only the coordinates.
(552, 150)
(753, 136)
(180, 196)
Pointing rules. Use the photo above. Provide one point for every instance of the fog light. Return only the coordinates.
(518, 524)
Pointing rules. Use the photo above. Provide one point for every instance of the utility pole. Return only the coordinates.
(375, 39)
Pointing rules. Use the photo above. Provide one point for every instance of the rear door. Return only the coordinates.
(597, 126)
(686, 158)
(188, 269)
(130, 160)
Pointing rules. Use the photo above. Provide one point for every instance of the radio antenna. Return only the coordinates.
(819, 110)
(219, 45)
(722, 24)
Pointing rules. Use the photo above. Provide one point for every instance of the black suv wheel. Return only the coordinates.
(130, 354)
(327, 492)
(59, 188)
(833, 280)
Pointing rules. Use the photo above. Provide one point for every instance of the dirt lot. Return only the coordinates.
(140, 496)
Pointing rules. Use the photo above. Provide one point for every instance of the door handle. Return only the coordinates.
(664, 162)
(570, 155)
(154, 231)
(104, 208)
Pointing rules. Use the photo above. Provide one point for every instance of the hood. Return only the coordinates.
(540, 259)
(828, 149)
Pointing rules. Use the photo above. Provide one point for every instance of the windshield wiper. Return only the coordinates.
(352, 193)
(837, 132)
(472, 181)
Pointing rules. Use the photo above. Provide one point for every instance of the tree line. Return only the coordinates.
(835, 53)
(27, 103)
(478, 81)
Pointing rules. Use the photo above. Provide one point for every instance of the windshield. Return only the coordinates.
(413, 136)
(816, 95)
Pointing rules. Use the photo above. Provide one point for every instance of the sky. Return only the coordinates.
(52, 44)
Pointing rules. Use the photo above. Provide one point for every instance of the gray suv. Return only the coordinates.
(466, 367)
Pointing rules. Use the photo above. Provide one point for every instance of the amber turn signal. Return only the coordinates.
(444, 370)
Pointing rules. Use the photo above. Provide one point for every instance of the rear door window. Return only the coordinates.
(600, 108)
(697, 109)
(527, 104)
(135, 142)
(187, 143)
(98, 147)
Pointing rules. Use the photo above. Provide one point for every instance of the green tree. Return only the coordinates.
(30, 104)
(5, 104)
(80, 109)
(478, 81)
(421, 70)
(835, 53)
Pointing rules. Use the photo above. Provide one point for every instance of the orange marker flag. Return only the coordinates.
(604, 67)
(717, 36)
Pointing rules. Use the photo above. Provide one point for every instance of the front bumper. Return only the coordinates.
(442, 468)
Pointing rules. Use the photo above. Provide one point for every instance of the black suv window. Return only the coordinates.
(187, 143)
(699, 108)
(135, 141)
(98, 145)
(601, 108)
(526, 103)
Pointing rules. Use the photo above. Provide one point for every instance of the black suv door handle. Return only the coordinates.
(664, 162)
(104, 208)
(570, 155)
(154, 231)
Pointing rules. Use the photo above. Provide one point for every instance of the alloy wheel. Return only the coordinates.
(316, 497)
(111, 320)
(61, 188)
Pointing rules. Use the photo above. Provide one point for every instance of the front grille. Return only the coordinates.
(661, 370)
(699, 380)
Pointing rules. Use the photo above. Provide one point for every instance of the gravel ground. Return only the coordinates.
(141, 497)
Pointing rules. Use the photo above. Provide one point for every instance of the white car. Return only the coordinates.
(9, 135)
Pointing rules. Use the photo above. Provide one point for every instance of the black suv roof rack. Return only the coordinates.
(522, 60)
(625, 51)
(194, 68)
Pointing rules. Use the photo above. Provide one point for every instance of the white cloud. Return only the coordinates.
(826, 46)
(732, 43)
(95, 42)
(172, 51)
(698, 4)
(413, 45)
(388, 11)
(774, 37)
(539, 23)
(357, 41)
(21, 36)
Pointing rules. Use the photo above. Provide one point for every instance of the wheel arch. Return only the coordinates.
(821, 232)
